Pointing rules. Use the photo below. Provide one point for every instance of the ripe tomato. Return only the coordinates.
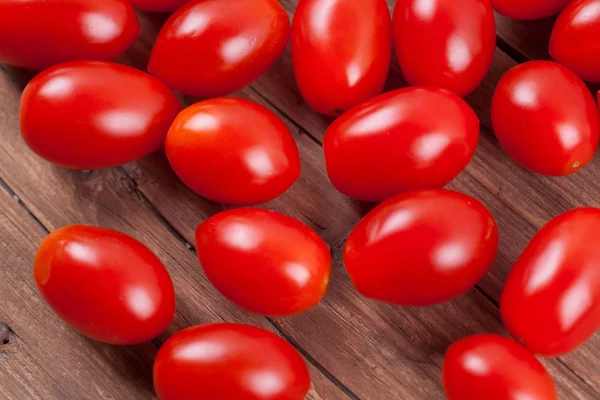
(551, 300)
(493, 367)
(529, 9)
(545, 118)
(263, 261)
(394, 143)
(341, 52)
(211, 48)
(93, 114)
(227, 362)
(253, 151)
(421, 248)
(158, 5)
(105, 284)
(36, 34)
(574, 40)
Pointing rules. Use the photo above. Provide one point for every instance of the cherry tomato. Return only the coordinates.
(545, 118)
(211, 48)
(394, 143)
(93, 114)
(233, 151)
(341, 52)
(227, 362)
(263, 261)
(574, 40)
(551, 300)
(493, 367)
(158, 5)
(529, 9)
(105, 284)
(37, 34)
(421, 248)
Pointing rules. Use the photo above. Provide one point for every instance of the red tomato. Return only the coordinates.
(263, 261)
(545, 118)
(253, 151)
(211, 48)
(227, 362)
(445, 43)
(551, 300)
(341, 52)
(493, 367)
(36, 34)
(394, 143)
(421, 248)
(529, 9)
(105, 284)
(574, 40)
(158, 5)
(92, 114)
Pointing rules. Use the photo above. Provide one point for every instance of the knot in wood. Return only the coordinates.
(4, 334)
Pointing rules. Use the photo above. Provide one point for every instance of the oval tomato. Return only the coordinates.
(574, 40)
(445, 43)
(253, 151)
(211, 48)
(493, 367)
(421, 248)
(545, 118)
(158, 5)
(263, 261)
(229, 361)
(529, 9)
(394, 143)
(551, 300)
(36, 34)
(92, 114)
(105, 284)
(341, 52)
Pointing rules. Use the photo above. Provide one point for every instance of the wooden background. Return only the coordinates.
(355, 348)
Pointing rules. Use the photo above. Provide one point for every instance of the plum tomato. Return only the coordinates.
(394, 143)
(341, 52)
(551, 300)
(263, 261)
(212, 48)
(105, 284)
(233, 151)
(529, 9)
(445, 43)
(545, 118)
(421, 248)
(158, 5)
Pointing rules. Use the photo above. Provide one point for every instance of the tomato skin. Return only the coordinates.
(394, 143)
(158, 5)
(493, 367)
(235, 45)
(545, 118)
(421, 248)
(122, 114)
(264, 261)
(37, 34)
(459, 37)
(551, 300)
(229, 361)
(254, 152)
(105, 284)
(530, 9)
(341, 52)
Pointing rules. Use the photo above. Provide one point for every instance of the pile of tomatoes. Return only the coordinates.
(421, 246)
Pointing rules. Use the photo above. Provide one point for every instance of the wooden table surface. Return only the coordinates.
(355, 348)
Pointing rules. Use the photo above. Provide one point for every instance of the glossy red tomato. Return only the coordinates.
(263, 261)
(158, 5)
(421, 248)
(233, 151)
(211, 48)
(93, 114)
(227, 362)
(395, 142)
(493, 367)
(545, 118)
(341, 52)
(36, 34)
(445, 43)
(105, 284)
(529, 9)
(574, 40)
(551, 300)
